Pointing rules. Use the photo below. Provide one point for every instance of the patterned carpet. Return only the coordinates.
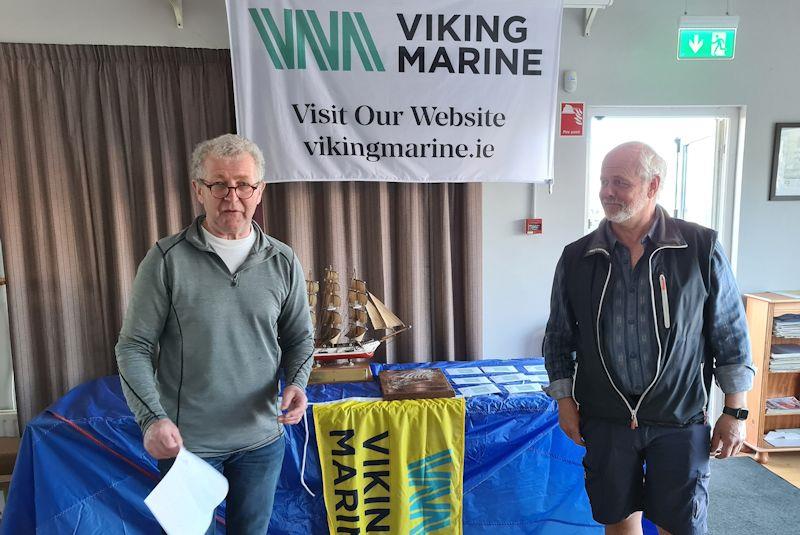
(746, 498)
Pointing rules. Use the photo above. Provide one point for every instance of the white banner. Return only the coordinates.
(411, 91)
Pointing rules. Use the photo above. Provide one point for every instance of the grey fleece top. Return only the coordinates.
(221, 337)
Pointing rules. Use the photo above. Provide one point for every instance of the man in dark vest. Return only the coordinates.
(644, 312)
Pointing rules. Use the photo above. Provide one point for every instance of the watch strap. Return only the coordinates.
(739, 414)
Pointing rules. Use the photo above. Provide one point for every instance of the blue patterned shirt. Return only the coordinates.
(628, 341)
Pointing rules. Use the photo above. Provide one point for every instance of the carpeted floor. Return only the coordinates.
(748, 499)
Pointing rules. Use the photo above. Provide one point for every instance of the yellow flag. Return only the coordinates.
(392, 466)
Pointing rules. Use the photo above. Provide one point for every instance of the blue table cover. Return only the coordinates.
(82, 467)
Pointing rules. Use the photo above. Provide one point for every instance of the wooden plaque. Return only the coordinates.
(340, 373)
(420, 383)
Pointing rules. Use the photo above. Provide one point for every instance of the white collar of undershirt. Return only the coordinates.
(232, 252)
(224, 243)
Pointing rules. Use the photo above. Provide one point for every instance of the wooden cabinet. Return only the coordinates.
(762, 309)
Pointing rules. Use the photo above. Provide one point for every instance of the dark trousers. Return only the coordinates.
(252, 479)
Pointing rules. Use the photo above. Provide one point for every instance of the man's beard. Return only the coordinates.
(626, 211)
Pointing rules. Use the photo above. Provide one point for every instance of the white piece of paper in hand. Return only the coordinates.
(185, 500)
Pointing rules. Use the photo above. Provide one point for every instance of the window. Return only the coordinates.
(699, 185)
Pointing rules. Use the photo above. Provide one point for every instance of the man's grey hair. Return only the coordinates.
(650, 163)
(225, 146)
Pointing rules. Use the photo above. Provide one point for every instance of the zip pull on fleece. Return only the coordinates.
(634, 420)
(235, 280)
(664, 299)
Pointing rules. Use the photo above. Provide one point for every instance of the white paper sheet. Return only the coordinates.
(783, 438)
(499, 369)
(523, 388)
(184, 501)
(536, 368)
(479, 390)
(511, 378)
(472, 370)
(539, 378)
(480, 380)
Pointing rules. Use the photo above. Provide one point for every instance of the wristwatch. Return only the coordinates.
(739, 414)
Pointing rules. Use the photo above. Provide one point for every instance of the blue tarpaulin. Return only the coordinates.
(82, 467)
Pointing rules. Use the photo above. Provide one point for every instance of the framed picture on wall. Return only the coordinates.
(785, 183)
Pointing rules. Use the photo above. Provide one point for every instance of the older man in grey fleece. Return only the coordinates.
(225, 305)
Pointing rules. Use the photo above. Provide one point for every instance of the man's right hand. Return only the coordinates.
(569, 419)
(162, 440)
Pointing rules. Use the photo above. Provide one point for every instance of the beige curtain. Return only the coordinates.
(94, 142)
(93, 170)
(418, 247)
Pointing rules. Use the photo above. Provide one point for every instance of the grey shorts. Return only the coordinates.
(662, 471)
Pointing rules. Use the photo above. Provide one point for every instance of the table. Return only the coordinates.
(82, 467)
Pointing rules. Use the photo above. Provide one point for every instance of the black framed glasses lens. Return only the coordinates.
(220, 191)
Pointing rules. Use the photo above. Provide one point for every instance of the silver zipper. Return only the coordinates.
(634, 423)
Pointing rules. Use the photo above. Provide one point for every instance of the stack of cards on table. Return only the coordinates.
(485, 380)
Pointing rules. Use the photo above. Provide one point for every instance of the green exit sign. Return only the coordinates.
(706, 43)
(707, 37)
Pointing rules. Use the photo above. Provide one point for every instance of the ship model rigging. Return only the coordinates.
(369, 321)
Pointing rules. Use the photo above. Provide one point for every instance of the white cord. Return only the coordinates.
(305, 444)
(303, 464)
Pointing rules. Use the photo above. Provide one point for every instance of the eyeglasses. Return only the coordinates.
(220, 190)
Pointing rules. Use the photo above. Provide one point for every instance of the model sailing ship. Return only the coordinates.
(365, 310)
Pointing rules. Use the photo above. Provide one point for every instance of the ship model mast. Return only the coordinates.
(364, 310)
(312, 290)
(331, 323)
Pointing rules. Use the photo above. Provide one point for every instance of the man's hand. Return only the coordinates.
(728, 437)
(569, 419)
(162, 440)
(294, 405)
